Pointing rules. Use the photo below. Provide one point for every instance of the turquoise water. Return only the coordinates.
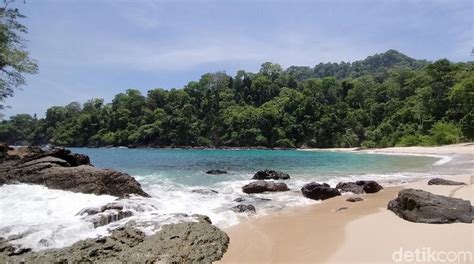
(188, 166)
(171, 177)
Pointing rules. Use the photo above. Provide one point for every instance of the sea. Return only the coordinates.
(41, 218)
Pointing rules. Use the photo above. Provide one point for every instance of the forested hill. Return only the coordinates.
(385, 100)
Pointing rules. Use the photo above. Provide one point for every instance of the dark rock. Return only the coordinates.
(359, 187)
(9, 250)
(242, 208)
(370, 186)
(341, 209)
(270, 175)
(264, 186)
(73, 159)
(350, 187)
(439, 181)
(318, 191)
(60, 169)
(176, 243)
(204, 191)
(239, 200)
(216, 172)
(354, 199)
(424, 207)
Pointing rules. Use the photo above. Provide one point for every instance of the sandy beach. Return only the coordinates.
(362, 232)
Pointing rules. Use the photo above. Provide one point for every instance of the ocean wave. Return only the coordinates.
(45, 218)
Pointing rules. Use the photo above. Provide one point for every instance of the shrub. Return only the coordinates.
(443, 133)
(285, 143)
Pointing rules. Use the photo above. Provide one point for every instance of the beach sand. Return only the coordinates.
(365, 232)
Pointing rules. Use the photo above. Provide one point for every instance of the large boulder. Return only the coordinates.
(198, 242)
(440, 181)
(359, 187)
(317, 191)
(61, 169)
(350, 187)
(424, 207)
(270, 175)
(265, 186)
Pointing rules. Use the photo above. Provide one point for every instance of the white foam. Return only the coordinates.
(45, 218)
(443, 160)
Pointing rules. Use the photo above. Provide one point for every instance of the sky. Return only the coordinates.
(99, 48)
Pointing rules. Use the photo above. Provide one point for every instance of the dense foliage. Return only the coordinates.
(14, 59)
(385, 100)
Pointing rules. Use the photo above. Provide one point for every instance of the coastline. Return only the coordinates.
(364, 232)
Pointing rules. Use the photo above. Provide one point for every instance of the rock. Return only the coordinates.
(264, 186)
(60, 169)
(270, 175)
(242, 208)
(108, 216)
(7, 249)
(359, 187)
(350, 187)
(424, 207)
(73, 159)
(370, 186)
(176, 243)
(204, 191)
(89, 211)
(354, 199)
(318, 191)
(202, 218)
(239, 200)
(112, 206)
(216, 172)
(105, 215)
(341, 209)
(440, 181)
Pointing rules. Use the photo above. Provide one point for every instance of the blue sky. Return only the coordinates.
(88, 49)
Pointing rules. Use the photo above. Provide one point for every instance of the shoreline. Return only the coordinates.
(318, 234)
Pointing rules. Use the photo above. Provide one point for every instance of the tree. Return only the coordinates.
(15, 61)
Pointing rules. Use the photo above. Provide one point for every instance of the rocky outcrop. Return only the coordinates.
(359, 187)
(216, 172)
(265, 186)
(100, 216)
(198, 242)
(424, 207)
(440, 181)
(316, 191)
(270, 175)
(242, 208)
(60, 169)
(354, 199)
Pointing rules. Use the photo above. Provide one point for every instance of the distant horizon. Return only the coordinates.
(159, 44)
